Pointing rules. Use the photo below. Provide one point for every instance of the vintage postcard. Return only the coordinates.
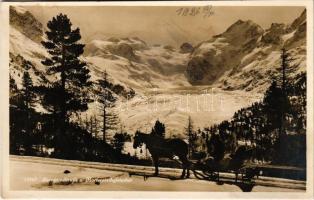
(210, 99)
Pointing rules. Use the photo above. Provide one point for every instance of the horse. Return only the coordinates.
(166, 148)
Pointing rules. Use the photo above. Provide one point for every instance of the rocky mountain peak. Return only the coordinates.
(244, 55)
(186, 48)
(26, 23)
(299, 21)
(277, 27)
(212, 58)
(241, 26)
(274, 33)
(242, 31)
(238, 23)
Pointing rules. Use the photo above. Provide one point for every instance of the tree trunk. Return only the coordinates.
(62, 133)
(104, 123)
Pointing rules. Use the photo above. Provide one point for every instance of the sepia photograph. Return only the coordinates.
(199, 97)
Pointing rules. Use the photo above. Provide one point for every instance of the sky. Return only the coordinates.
(163, 24)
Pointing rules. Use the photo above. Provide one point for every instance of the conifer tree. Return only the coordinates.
(15, 139)
(276, 100)
(27, 99)
(190, 133)
(119, 139)
(107, 101)
(13, 87)
(159, 129)
(21, 105)
(28, 94)
(64, 95)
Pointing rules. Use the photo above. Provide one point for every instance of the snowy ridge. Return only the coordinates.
(245, 56)
(19, 54)
(132, 62)
(128, 61)
(239, 60)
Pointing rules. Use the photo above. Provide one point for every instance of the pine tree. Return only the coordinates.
(119, 139)
(190, 132)
(286, 69)
(300, 105)
(275, 103)
(13, 87)
(96, 127)
(91, 123)
(28, 94)
(107, 101)
(64, 96)
(284, 66)
(159, 129)
(26, 111)
(21, 112)
(16, 123)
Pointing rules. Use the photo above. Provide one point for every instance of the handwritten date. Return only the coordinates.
(205, 11)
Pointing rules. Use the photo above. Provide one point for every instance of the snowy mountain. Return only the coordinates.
(26, 23)
(132, 62)
(246, 57)
(128, 60)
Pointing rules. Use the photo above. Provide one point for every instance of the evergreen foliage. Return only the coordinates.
(64, 96)
(107, 101)
(54, 132)
(159, 129)
(119, 140)
(191, 137)
(274, 127)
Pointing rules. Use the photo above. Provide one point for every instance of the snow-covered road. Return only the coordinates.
(36, 175)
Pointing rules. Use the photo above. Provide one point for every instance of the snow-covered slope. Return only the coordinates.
(210, 59)
(128, 61)
(206, 106)
(19, 55)
(246, 57)
(132, 62)
(26, 23)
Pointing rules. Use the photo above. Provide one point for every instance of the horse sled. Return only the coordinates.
(235, 167)
(208, 168)
(246, 173)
